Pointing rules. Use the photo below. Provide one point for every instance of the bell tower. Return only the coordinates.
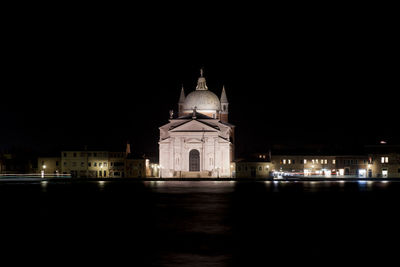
(224, 106)
(181, 102)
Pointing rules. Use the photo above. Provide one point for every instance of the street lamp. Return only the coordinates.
(43, 168)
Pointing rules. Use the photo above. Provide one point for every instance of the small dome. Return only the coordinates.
(202, 100)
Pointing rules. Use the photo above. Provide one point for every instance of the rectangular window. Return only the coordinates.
(334, 161)
(305, 161)
(73, 164)
(95, 164)
(294, 161)
(100, 164)
(386, 159)
(56, 163)
(65, 154)
(105, 164)
(89, 164)
(316, 161)
(284, 161)
(74, 155)
(326, 161)
(382, 159)
(100, 173)
(105, 173)
(289, 161)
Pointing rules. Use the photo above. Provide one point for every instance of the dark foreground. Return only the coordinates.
(203, 223)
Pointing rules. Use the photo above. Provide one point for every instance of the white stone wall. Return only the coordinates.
(215, 153)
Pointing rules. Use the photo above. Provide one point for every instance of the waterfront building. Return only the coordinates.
(199, 142)
(137, 167)
(16, 162)
(382, 162)
(98, 164)
(49, 165)
(117, 162)
(85, 163)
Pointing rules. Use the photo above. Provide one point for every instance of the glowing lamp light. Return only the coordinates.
(44, 166)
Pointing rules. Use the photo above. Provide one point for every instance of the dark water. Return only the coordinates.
(200, 223)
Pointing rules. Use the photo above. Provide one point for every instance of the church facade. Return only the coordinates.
(199, 142)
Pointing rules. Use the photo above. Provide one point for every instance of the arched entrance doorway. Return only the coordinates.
(194, 160)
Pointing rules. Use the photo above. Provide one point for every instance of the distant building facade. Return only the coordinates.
(376, 164)
(104, 164)
(200, 141)
(49, 165)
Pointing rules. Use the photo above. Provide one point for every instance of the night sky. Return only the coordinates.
(102, 78)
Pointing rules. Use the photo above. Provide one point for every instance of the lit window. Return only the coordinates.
(386, 159)
(326, 161)
(382, 159)
(316, 161)
(305, 161)
(105, 164)
(100, 164)
(289, 161)
(313, 161)
(333, 161)
(284, 161)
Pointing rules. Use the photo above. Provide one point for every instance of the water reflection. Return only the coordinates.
(213, 223)
(101, 185)
(43, 185)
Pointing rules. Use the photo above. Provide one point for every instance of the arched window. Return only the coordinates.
(194, 160)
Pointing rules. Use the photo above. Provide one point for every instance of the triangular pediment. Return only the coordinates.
(195, 126)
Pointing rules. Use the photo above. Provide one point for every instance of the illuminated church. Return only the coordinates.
(199, 142)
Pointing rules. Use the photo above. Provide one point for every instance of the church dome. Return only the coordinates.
(202, 100)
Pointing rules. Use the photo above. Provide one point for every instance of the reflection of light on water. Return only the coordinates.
(101, 184)
(384, 183)
(43, 184)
